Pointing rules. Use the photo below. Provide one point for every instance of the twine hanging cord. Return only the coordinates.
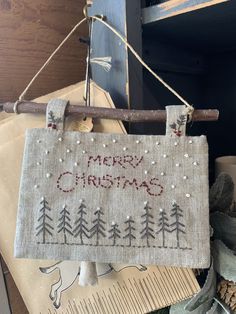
(189, 108)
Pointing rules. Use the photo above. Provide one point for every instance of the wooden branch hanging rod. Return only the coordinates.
(107, 113)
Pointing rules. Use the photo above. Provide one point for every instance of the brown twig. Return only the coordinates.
(107, 113)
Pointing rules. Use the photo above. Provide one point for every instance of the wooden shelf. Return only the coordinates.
(204, 28)
(172, 8)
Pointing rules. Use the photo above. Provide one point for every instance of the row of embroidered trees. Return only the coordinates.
(98, 230)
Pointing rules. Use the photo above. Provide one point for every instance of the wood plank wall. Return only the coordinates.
(29, 31)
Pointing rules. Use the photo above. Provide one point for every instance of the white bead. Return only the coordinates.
(186, 155)
(92, 139)
(162, 173)
(195, 163)
(60, 159)
(38, 141)
(177, 165)
(146, 151)
(104, 145)
(157, 143)
(48, 175)
(98, 208)
(176, 143)
(43, 198)
(173, 202)
(128, 217)
(188, 195)
(190, 142)
(161, 210)
(36, 186)
(153, 162)
(81, 200)
(137, 141)
(145, 203)
(145, 172)
(78, 142)
(124, 148)
(164, 156)
(38, 163)
(185, 177)
(68, 150)
(60, 139)
(46, 152)
(64, 206)
(113, 223)
(76, 164)
(114, 140)
(173, 186)
(83, 151)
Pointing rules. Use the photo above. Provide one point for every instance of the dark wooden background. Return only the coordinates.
(29, 32)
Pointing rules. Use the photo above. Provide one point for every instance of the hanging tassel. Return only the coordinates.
(104, 62)
(88, 274)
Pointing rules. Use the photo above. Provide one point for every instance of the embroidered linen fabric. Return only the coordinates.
(114, 197)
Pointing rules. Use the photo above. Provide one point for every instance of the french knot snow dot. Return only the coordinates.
(38, 141)
(83, 151)
(164, 156)
(76, 164)
(173, 186)
(162, 174)
(114, 140)
(177, 165)
(157, 143)
(36, 186)
(128, 217)
(78, 142)
(160, 210)
(68, 150)
(186, 155)
(145, 172)
(195, 163)
(46, 152)
(61, 160)
(188, 195)
(176, 143)
(60, 139)
(92, 139)
(190, 142)
(124, 149)
(137, 141)
(48, 175)
(146, 151)
(104, 145)
(153, 162)
(38, 163)
(185, 177)
(145, 202)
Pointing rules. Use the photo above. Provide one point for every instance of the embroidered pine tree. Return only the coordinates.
(98, 229)
(64, 224)
(147, 232)
(129, 230)
(163, 225)
(52, 120)
(114, 233)
(44, 220)
(177, 225)
(80, 228)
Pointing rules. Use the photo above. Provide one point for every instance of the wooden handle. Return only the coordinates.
(107, 113)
